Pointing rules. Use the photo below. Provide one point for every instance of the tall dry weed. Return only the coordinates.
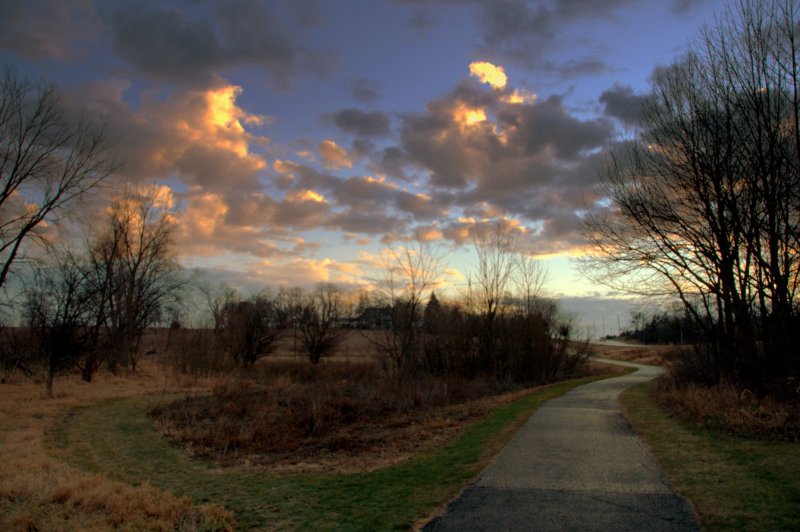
(730, 409)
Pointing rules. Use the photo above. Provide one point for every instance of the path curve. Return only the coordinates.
(576, 464)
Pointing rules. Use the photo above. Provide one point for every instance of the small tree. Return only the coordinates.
(320, 322)
(57, 302)
(250, 329)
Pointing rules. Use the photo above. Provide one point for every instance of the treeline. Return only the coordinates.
(669, 327)
(92, 306)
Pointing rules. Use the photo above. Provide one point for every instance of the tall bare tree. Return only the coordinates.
(496, 248)
(412, 269)
(134, 271)
(705, 202)
(48, 159)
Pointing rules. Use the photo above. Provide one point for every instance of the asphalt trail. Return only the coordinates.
(576, 464)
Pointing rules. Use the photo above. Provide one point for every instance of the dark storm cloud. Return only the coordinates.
(392, 162)
(190, 45)
(364, 90)
(361, 123)
(547, 123)
(38, 29)
(522, 31)
(577, 67)
(682, 7)
(367, 222)
(621, 103)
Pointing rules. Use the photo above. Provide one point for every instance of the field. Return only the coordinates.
(92, 457)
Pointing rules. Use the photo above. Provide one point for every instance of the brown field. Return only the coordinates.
(656, 355)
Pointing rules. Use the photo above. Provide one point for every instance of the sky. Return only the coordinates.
(299, 137)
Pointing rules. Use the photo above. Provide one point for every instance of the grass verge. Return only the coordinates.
(734, 483)
(117, 438)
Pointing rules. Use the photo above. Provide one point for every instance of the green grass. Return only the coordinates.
(734, 483)
(118, 439)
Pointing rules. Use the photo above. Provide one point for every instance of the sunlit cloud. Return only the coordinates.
(307, 272)
(489, 73)
(519, 96)
(334, 157)
(227, 118)
(305, 195)
(468, 116)
(195, 135)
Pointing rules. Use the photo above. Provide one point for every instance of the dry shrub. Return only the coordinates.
(39, 492)
(730, 409)
(297, 410)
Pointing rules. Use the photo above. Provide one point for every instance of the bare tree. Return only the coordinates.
(250, 328)
(496, 247)
(412, 268)
(530, 278)
(47, 161)
(134, 272)
(57, 302)
(704, 202)
(320, 321)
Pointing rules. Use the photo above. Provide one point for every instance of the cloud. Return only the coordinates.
(683, 7)
(334, 156)
(577, 67)
(532, 160)
(621, 103)
(306, 272)
(488, 73)
(391, 161)
(364, 90)
(193, 44)
(202, 137)
(38, 29)
(361, 123)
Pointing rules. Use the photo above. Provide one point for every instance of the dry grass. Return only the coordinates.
(38, 492)
(340, 416)
(727, 408)
(656, 355)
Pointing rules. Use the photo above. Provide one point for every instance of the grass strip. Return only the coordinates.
(118, 439)
(734, 483)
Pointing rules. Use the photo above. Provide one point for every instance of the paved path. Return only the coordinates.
(575, 465)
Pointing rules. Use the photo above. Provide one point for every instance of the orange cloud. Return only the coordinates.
(305, 195)
(306, 272)
(489, 73)
(334, 156)
(468, 116)
(519, 96)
